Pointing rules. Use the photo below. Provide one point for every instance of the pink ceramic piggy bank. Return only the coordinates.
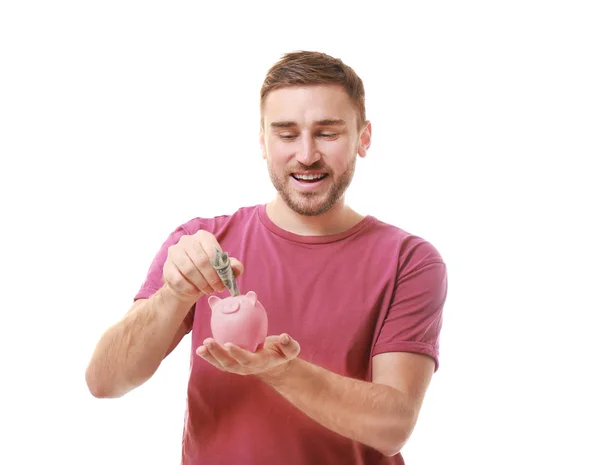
(241, 320)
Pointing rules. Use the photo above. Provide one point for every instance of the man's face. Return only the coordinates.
(310, 139)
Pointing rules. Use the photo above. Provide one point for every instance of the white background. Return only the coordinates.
(121, 120)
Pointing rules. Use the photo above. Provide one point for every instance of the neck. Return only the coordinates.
(337, 219)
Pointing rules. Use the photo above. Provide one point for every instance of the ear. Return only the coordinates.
(252, 296)
(212, 301)
(365, 140)
(261, 142)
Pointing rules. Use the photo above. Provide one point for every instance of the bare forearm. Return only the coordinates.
(131, 351)
(373, 414)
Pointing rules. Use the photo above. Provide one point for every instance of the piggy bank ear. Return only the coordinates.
(252, 297)
(212, 301)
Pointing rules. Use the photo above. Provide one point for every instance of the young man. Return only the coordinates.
(354, 304)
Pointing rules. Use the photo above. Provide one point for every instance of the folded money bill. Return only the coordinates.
(223, 267)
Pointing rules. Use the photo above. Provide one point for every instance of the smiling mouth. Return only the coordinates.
(309, 177)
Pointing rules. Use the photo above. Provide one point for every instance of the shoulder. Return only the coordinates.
(412, 250)
(218, 223)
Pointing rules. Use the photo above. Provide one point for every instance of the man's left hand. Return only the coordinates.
(273, 357)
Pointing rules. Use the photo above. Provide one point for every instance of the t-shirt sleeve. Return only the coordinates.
(414, 319)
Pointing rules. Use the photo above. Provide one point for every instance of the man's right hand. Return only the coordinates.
(188, 271)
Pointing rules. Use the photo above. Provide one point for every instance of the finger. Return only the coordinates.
(242, 356)
(210, 280)
(177, 281)
(290, 348)
(220, 355)
(206, 355)
(237, 267)
(209, 245)
(187, 269)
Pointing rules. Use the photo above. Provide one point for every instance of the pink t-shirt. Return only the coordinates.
(345, 297)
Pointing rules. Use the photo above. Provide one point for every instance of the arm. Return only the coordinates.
(130, 352)
(380, 414)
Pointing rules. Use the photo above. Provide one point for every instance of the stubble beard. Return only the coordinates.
(310, 203)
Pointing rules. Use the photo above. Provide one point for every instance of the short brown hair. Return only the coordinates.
(309, 68)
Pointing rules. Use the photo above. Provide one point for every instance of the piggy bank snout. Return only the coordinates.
(230, 307)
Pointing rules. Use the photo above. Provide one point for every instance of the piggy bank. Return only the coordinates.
(241, 320)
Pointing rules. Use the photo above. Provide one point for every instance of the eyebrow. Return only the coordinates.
(323, 122)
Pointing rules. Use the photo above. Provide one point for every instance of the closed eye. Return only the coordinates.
(323, 135)
(287, 136)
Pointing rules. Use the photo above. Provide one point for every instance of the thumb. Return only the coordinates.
(236, 266)
(289, 346)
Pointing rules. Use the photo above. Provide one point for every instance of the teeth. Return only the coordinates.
(309, 177)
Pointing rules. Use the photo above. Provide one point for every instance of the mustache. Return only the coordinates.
(317, 166)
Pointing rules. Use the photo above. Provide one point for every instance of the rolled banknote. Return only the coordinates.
(223, 267)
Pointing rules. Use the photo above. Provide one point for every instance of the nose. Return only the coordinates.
(307, 151)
